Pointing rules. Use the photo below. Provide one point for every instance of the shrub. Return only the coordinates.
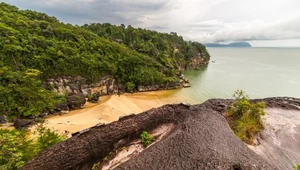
(244, 117)
(47, 137)
(297, 167)
(146, 138)
(16, 147)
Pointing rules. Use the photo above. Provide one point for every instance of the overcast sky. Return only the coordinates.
(260, 22)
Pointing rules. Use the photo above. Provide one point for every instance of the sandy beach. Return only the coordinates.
(111, 108)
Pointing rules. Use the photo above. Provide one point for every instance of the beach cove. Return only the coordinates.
(261, 72)
(111, 108)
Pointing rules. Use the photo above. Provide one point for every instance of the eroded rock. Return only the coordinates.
(201, 139)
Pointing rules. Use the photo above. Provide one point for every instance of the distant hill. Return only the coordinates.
(235, 44)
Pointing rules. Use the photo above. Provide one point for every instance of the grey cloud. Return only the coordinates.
(86, 11)
(198, 20)
(257, 30)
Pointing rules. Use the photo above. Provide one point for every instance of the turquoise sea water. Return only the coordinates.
(261, 72)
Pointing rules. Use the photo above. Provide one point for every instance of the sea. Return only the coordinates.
(260, 72)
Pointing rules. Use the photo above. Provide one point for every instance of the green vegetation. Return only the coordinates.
(96, 166)
(36, 47)
(244, 117)
(17, 147)
(297, 167)
(22, 94)
(146, 138)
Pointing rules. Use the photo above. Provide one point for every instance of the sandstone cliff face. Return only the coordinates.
(66, 85)
(197, 61)
(106, 85)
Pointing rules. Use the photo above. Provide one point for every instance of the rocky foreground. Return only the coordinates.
(200, 139)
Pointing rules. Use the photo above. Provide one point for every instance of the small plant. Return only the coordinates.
(96, 166)
(244, 117)
(297, 167)
(146, 138)
(89, 96)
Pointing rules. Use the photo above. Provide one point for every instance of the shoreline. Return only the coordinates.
(110, 108)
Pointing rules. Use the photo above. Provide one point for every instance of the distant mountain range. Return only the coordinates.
(235, 44)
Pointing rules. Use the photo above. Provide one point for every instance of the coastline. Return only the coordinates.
(110, 108)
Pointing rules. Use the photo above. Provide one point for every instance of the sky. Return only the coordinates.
(262, 23)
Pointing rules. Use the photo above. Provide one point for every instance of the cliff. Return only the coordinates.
(105, 86)
(199, 138)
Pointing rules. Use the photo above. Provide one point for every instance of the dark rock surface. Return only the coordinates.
(202, 139)
(62, 107)
(76, 101)
(22, 123)
(94, 98)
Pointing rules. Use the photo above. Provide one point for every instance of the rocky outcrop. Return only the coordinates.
(74, 85)
(94, 98)
(279, 142)
(201, 139)
(76, 101)
(197, 61)
(106, 85)
(22, 123)
(3, 119)
(61, 108)
(180, 83)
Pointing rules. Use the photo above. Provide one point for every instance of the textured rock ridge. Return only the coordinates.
(201, 139)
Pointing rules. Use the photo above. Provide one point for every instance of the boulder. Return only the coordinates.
(62, 107)
(22, 123)
(76, 101)
(3, 119)
(94, 98)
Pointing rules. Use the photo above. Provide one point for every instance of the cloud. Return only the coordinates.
(218, 31)
(198, 20)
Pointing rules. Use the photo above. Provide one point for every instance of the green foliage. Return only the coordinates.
(146, 138)
(130, 86)
(17, 147)
(244, 117)
(22, 93)
(169, 49)
(33, 40)
(297, 167)
(47, 137)
(35, 47)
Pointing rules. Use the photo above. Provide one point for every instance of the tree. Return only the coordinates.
(22, 94)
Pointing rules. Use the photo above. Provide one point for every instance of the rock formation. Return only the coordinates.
(201, 139)
(106, 85)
